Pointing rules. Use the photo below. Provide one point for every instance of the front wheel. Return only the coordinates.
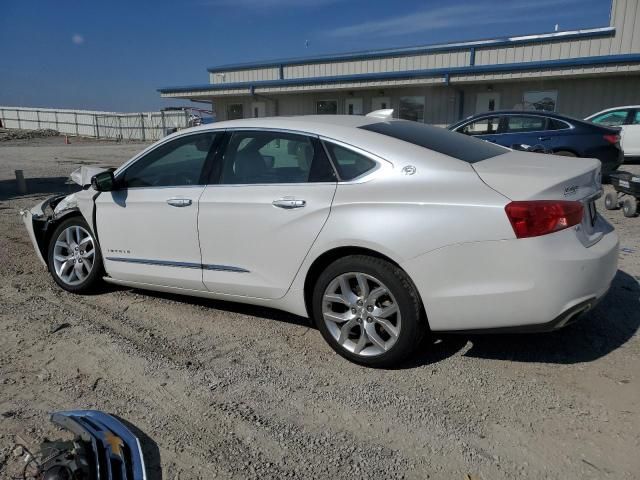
(368, 310)
(74, 258)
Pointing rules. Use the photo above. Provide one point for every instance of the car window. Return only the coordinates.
(173, 164)
(253, 157)
(611, 119)
(350, 164)
(484, 126)
(636, 118)
(453, 144)
(523, 124)
(553, 124)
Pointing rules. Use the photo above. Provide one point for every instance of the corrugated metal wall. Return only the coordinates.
(577, 97)
(625, 17)
(89, 123)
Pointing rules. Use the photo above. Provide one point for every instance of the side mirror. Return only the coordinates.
(103, 182)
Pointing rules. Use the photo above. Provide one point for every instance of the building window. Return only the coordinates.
(412, 108)
(327, 107)
(546, 101)
(235, 111)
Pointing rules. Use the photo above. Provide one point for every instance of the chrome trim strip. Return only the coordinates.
(225, 268)
(166, 263)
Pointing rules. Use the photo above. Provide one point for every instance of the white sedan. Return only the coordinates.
(628, 119)
(379, 230)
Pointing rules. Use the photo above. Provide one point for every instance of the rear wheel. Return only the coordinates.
(368, 310)
(630, 207)
(74, 257)
(611, 201)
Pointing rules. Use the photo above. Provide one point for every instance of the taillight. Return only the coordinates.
(540, 217)
(611, 138)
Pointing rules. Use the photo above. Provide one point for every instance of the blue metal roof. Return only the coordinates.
(404, 51)
(410, 74)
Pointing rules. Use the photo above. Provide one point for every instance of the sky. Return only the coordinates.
(113, 55)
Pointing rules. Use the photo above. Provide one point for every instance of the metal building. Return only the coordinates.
(572, 72)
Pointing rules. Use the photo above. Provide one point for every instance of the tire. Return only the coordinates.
(611, 201)
(368, 330)
(82, 271)
(565, 153)
(630, 207)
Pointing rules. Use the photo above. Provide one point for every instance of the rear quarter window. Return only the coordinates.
(453, 144)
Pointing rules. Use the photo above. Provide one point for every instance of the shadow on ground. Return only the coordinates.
(150, 450)
(52, 185)
(599, 332)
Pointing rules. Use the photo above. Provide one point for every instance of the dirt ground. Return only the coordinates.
(221, 390)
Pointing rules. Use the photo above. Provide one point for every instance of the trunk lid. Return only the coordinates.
(535, 176)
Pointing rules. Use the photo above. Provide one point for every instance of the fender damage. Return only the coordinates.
(42, 219)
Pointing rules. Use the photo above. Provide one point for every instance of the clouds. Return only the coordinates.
(77, 39)
(483, 12)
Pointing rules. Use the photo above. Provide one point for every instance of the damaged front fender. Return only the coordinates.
(40, 219)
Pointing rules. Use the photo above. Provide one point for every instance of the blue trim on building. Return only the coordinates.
(410, 74)
(416, 50)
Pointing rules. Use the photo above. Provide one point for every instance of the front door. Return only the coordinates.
(487, 102)
(258, 109)
(353, 106)
(260, 219)
(148, 228)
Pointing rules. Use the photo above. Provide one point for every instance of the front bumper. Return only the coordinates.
(532, 284)
(117, 453)
(36, 214)
(37, 221)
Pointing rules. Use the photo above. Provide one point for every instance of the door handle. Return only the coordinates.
(289, 203)
(179, 202)
(543, 139)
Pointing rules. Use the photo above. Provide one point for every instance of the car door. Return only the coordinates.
(631, 145)
(485, 128)
(147, 228)
(527, 130)
(258, 220)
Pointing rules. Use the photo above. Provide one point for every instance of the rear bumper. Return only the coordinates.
(534, 284)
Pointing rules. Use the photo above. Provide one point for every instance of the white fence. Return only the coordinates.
(87, 123)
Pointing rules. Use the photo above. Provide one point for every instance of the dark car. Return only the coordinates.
(548, 132)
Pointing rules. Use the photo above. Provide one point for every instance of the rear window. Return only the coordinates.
(456, 145)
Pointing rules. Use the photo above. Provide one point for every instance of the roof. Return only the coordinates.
(413, 50)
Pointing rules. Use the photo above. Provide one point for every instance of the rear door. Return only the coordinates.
(486, 128)
(270, 197)
(529, 130)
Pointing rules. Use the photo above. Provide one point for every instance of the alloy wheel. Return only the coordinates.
(361, 314)
(74, 255)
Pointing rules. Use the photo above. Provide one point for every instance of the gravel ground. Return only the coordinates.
(221, 390)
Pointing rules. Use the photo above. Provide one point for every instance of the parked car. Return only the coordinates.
(378, 229)
(626, 118)
(555, 133)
